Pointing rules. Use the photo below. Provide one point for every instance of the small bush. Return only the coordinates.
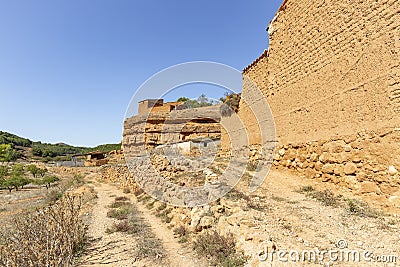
(166, 219)
(183, 233)
(121, 199)
(360, 208)
(220, 250)
(126, 226)
(164, 215)
(126, 190)
(138, 192)
(53, 195)
(118, 204)
(151, 205)
(150, 247)
(78, 179)
(237, 195)
(306, 189)
(327, 197)
(252, 166)
(163, 206)
(120, 213)
(278, 199)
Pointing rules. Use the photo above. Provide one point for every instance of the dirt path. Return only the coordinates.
(179, 256)
(118, 249)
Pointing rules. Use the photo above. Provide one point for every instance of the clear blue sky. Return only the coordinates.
(69, 68)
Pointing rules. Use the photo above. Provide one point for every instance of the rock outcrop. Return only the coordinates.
(157, 128)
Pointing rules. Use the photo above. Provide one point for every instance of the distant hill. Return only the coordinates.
(28, 148)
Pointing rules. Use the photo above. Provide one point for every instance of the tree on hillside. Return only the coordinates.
(20, 181)
(3, 174)
(183, 99)
(15, 182)
(17, 170)
(3, 171)
(47, 181)
(33, 169)
(7, 183)
(230, 104)
(7, 153)
(204, 101)
(201, 101)
(13, 140)
(42, 171)
(17, 178)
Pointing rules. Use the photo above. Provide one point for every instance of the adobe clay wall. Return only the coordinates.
(331, 76)
(332, 67)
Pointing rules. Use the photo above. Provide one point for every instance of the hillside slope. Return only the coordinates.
(30, 149)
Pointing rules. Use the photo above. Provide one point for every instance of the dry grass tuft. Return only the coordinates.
(51, 236)
(220, 250)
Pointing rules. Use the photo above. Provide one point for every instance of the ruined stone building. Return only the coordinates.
(159, 123)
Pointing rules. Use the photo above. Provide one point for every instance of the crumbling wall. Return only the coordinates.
(332, 67)
(331, 76)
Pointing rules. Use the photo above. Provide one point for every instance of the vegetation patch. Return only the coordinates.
(150, 247)
(53, 196)
(130, 222)
(220, 250)
(252, 165)
(278, 199)
(51, 236)
(353, 206)
(164, 215)
(362, 209)
(163, 206)
(120, 213)
(182, 233)
(151, 205)
(121, 199)
(43, 151)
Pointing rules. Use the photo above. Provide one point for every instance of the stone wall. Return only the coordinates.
(365, 163)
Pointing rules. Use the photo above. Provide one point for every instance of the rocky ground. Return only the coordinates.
(287, 213)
